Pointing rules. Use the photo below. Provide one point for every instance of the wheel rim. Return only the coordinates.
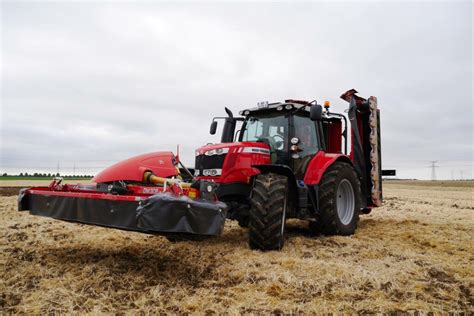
(345, 201)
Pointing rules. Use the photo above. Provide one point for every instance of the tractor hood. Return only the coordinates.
(230, 162)
(224, 148)
(162, 164)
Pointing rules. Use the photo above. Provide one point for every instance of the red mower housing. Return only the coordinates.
(162, 163)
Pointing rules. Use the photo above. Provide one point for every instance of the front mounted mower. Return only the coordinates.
(169, 209)
(286, 160)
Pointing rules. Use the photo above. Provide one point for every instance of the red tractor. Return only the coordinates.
(285, 160)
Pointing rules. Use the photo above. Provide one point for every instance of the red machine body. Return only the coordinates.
(161, 163)
(237, 166)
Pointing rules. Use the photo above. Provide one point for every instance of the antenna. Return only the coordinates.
(433, 169)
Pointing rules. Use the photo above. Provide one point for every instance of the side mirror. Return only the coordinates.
(213, 129)
(316, 112)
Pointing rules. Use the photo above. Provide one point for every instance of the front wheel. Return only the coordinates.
(339, 201)
(268, 212)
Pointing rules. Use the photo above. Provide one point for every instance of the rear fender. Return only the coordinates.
(319, 164)
(292, 185)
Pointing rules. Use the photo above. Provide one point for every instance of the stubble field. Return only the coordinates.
(415, 253)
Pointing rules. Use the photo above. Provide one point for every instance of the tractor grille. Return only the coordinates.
(204, 162)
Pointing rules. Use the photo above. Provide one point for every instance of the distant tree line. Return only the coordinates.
(44, 175)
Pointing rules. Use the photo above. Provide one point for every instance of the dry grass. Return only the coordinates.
(415, 253)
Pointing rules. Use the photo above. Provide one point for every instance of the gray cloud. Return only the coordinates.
(95, 82)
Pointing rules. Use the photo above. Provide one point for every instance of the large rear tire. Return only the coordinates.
(268, 212)
(339, 201)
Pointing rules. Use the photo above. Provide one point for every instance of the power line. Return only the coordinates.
(423, 166)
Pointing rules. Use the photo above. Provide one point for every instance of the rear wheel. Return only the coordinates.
(268, 212)
(339, 201)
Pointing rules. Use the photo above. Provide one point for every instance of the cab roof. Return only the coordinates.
(288, 105)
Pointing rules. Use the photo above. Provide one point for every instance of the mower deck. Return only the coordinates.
(147, 209)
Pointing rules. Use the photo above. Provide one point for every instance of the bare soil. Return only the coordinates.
(413, 254)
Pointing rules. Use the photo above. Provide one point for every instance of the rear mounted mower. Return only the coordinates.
(286, 160)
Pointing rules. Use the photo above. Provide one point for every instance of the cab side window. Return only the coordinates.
(305, 130)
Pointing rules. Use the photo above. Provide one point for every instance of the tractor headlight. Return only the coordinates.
(218, 151)
(210, 152)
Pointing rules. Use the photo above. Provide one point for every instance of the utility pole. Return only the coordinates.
(74, 169)
(57, 168)
(433, 170)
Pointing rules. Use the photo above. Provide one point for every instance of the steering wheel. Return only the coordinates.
(279, 144)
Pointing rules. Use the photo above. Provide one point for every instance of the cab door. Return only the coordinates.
(308, 144)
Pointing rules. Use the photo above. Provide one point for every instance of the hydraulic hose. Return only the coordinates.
(149, 177)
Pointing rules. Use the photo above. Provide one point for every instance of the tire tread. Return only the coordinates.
(266, 212)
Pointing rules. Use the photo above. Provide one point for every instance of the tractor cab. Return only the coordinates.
(293, 138)
(294, 131)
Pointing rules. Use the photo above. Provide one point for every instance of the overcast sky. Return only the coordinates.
(91, 83)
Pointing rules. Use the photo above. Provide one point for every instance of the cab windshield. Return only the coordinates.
(271, 129)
